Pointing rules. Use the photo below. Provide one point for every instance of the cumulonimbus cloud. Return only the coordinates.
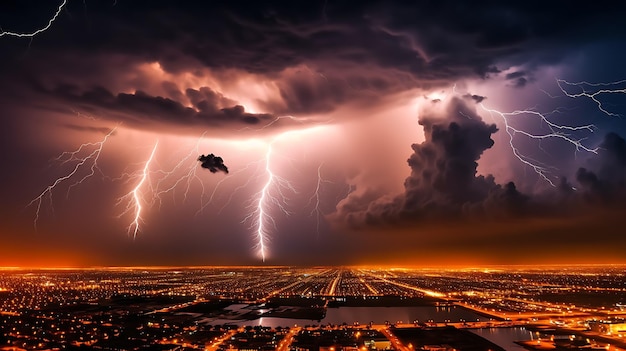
(444, 183)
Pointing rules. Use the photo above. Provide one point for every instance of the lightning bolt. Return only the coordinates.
(315, 199)
(189, 176)
(262, 213)
(134, 197)
(81, 162)
(593, 91)
(272, 193)
(556, 131)
(235, 191)
(38, 31)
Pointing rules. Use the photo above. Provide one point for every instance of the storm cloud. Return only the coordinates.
(370, 109)
(213, 163)
(142, 110)
(444, 182)
(315, 57)
(604, 179)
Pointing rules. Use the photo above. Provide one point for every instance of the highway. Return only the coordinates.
(216, 344)
(333, 286)
(395, 342)
(426, 292)
(288, 339)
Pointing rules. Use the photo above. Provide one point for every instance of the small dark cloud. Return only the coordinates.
(520, 82)
(519, 79)
(564, 188)
(486, 72)
(434, 101)
(477, 98)
(605, 177)
(515, 75)
(613, 153)
(592, 186)
(213, 163)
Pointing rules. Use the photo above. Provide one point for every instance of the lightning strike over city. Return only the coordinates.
(192, 134)
(274, 195)
(312, 176)
(134, 198)
(261, 212)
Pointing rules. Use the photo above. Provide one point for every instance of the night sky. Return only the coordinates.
(312, 132)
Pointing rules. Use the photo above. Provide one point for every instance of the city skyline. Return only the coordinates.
(381, 133)
(289, 308)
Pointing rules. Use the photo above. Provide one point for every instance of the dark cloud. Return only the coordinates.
(443, 167)
(477, 98)
(444, 183)
(444, 180)
(487, 72)
(207, 100)
(605, 180)
(307, 90)
(434, 42)
(592, 186)
(519, 79)
(140, 109)
(520, 82)
(612, 160)
(213, 163)
(515, 75)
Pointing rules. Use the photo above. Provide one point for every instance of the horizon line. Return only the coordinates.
(369, 266)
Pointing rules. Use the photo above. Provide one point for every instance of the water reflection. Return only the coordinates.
(505, 337)
(375, 315)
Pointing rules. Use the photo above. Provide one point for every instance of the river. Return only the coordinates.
(503, 337)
